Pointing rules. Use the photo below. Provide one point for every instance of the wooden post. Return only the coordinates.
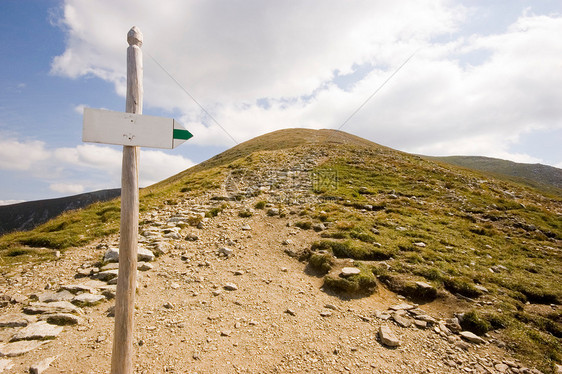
(122, 355)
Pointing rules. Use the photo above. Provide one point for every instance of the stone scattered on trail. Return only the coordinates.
(16, 320)
(420, 244)
(401, 321)
(18, 348)
(325, 313)
(273, 212)
(87, 299)
(349, 271)
(144, 266)
(502, 368)
(471, 337)
(173, 235)
(481, 288)
(56, 307)
(40, 367)
(62, 319)
(191, 237)
(290, 312)
(37, 331)
(107, 275)
(75, 288)
(143, 254)
(5, 364)
(225, 251)
(160, 248)
(246, 227)
(111, 255)
(49, 297)
(403, 306)
(230, 287)
(387, 337)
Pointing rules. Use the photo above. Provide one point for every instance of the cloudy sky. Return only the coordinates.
(482, 78)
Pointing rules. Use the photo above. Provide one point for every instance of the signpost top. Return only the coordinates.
(134, 36)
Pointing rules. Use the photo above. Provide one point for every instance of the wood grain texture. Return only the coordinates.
(122, 355)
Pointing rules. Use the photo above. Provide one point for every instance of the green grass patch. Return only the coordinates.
(352, 249)
(364, 283)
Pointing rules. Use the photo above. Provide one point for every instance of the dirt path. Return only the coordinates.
(278, 320)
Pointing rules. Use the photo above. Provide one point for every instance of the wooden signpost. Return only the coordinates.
(131, 130)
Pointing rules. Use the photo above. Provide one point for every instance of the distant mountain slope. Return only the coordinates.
(28, 215)
(527, 173)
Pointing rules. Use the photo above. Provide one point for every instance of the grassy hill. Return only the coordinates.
(540, 176)
(405, 219)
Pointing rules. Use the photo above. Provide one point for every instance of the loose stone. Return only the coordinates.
(471, 337)
(37, 331)
(41, 366)
(18, 348)
(87, 299)
(387, 337)
(230, 287)
(62, 319)
(349, 271)
(16, 320)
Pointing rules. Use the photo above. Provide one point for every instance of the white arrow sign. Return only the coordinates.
(109, 127)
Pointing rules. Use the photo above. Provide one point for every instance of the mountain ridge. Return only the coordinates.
(535, 175)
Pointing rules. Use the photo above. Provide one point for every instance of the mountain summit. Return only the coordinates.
(316, 250)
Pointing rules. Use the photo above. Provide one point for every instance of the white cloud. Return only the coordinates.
(475, 94)
(156, 166)
(65, 188)
(21, 155)
(72, 170)
(235, 53)
(90, 156)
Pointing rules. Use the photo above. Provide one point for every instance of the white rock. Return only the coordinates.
(37, 331)
(143, 254)
(387, 337)
(5, 364)
(225, 251)
(41, 366)
(471, 337)
(230, 287)
(16, 320)
(18, 348)
(56, 307)
(349, 271)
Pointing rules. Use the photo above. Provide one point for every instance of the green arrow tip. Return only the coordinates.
(182, 134)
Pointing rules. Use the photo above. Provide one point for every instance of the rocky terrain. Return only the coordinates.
(228, 300)
(226, 284)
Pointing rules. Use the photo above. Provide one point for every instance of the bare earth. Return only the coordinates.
(278, 320)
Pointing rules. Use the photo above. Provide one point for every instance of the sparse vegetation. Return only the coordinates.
(463, 232)
(363, 283)
(260, 204)
(305, 225)
(322, 262)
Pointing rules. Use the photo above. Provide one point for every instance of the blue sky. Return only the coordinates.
(486, 79)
